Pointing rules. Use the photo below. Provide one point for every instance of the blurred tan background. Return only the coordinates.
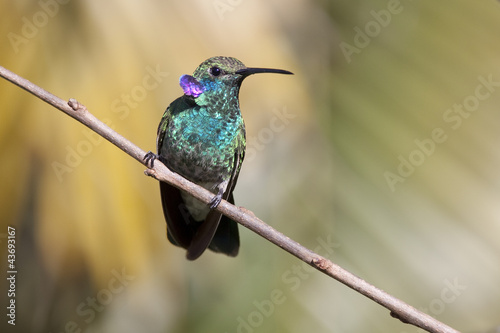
(386, 159)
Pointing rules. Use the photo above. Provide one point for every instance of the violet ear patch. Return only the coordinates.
(190, 86)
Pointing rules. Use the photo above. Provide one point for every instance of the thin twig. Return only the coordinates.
(398, 309)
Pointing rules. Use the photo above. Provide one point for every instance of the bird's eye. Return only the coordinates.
(215, 71)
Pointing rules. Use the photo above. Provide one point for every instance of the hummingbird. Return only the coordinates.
(201, 136)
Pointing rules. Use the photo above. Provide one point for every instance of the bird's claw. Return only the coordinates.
(221, 187)
(215, 201)
(150, 158)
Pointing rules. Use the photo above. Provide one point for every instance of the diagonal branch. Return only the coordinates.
(398, 309)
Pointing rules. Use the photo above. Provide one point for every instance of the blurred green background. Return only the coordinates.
(386, 159)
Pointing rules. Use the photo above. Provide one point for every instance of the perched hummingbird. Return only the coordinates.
(201, 136)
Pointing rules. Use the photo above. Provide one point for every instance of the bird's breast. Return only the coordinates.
(201, 148)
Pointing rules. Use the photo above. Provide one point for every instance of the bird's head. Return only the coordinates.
(220, 75)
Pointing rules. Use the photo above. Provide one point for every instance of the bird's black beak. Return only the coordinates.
(250, 71)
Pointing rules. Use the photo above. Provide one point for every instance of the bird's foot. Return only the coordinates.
(221, 188)
(150, 158)
(216, 200)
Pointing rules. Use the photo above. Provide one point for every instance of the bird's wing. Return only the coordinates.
(162, 128)
(225, 240)
(181, 227)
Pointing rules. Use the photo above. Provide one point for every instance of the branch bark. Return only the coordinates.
(398, 309)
